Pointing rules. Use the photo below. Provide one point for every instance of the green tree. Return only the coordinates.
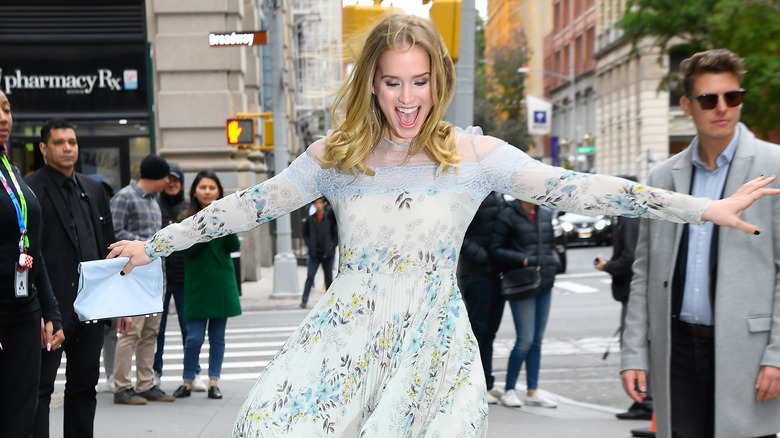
(506, 91)
(750, 28)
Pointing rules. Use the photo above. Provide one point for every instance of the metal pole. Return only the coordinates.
(573, 115)
(461, 110)
(285, 264)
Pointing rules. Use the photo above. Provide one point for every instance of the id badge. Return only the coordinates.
(21, 283)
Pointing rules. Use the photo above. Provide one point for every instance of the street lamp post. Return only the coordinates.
(571, 79)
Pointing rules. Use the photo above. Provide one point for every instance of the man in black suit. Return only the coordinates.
(77, 227)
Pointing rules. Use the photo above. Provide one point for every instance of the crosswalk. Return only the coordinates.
(248, 349)
(573, 283)
(247, 352)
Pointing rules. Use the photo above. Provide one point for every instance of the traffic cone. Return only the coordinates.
(645, 432)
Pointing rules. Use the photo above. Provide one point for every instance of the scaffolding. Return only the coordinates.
(318, 64)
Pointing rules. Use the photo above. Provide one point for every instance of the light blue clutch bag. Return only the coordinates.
(103, 293)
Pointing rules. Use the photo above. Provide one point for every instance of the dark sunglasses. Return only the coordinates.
(709, 101)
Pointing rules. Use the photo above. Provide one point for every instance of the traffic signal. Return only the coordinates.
(268, 135)
(358, 18)
(445, 14)
(240, 132)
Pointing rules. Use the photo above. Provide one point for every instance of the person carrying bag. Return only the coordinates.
(526, 282)
(523, 244)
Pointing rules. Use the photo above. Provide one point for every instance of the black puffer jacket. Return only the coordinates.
(171, 208)
(515, 238)
(475, 252)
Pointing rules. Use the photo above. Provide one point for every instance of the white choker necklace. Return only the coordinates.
(395, 143)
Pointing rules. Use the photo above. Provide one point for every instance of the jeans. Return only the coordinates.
(692, 386)
(175, 290)
(530, 317)
(312, 263)
(485, 305)
(196, 333)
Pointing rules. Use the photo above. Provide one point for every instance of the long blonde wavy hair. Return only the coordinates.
(359, 120)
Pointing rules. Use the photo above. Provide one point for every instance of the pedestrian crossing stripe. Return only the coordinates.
(577, 288)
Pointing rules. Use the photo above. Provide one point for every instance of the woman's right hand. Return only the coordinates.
(134, 249)
(525, 262)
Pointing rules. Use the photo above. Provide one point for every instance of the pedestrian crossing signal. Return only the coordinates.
(240, 132)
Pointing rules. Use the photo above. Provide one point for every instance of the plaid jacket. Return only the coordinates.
(136, 213)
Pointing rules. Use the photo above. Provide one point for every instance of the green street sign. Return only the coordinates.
(585, 149)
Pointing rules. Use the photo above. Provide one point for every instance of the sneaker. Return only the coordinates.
(539, 400)
(496, 392)
(156, 394)
(108, 386)
(510, 399)
(200, 383)
(491, 399)
(156, 379)
(128, 397)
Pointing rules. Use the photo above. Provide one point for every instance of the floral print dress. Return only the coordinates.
(388, 351)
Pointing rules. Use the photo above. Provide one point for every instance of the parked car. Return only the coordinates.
(586, 230)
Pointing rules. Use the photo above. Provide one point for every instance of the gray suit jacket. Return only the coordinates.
(747, 296)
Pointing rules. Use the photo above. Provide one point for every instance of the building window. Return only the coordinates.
(557, 18)
(590, 41)
(675, 86)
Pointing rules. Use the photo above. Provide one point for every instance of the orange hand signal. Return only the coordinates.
(234, 131)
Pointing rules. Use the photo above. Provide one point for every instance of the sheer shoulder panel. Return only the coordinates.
(513, 172)
(293, 188)
(473, 145)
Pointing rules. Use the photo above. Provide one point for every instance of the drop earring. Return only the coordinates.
(373, 118)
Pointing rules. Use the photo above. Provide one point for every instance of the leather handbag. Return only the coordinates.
(526, 282)
(519, 284)
(104, 294)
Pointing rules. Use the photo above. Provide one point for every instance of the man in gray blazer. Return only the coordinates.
(704, 311)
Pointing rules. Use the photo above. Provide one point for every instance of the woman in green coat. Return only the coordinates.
(210, 289)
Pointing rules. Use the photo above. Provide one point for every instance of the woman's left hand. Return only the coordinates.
(725, 212)
(49, 340)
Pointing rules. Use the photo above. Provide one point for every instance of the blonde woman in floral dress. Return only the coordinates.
(388, 352)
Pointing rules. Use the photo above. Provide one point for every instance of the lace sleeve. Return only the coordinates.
(293, 188)
(515, 173)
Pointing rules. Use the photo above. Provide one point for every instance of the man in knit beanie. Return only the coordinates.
(137, 216)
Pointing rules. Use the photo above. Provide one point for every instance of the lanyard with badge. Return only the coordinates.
(20, 205)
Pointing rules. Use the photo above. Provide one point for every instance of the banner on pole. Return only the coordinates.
(539, 115)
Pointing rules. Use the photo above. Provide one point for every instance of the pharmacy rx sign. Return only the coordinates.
(72, 79)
